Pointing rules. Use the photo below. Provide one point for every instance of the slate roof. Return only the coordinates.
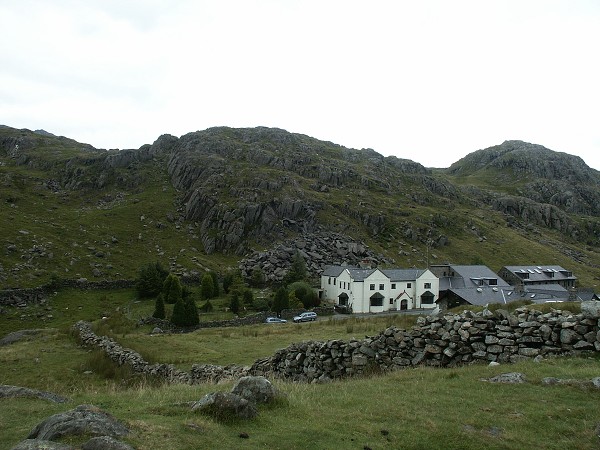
(333, 271)
(403, 274)
(538, 274)
(360, 274)
(484, 295)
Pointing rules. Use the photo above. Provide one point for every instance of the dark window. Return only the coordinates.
(427, 298)
(427, 285)
(329, 281)
(377, 301)
(408, 285)
(492, 282)
(372, 287)
(391, 301)
(393, 285)
(381, 287)
(334, 281)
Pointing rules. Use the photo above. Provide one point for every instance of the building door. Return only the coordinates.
(404, 305)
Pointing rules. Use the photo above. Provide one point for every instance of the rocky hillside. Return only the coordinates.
(246, 198)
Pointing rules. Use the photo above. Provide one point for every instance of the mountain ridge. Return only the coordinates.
(212, 197)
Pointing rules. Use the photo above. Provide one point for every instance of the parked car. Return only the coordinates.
(275, 320)
(307, 316)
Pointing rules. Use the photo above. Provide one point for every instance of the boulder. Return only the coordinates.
(225, 406)
(7, 391)
(41, 444)
(86, 419)
(590, 310)
(255, 389)
(105, 443)
(510, 377)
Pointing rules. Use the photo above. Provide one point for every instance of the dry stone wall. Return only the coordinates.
(443, 340)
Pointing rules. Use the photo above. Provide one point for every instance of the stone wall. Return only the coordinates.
(29, 296)
(444, 340)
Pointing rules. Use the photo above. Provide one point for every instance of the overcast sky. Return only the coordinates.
(429, 81)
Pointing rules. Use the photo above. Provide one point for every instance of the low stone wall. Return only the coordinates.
(444, 340)
(123, 356)
(30, 296)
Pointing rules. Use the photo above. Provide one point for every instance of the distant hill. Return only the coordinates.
(218, 198)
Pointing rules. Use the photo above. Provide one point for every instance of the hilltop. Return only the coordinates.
(218, 198)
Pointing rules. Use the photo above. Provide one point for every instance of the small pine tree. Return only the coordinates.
(159, 307)
(216, 289)
(281, 300)
(207, 307)
(234, 302)
(294, 303)
(178, 317)
(258, 278)
(248, 297)
(207, 288)
(191, 312)
(228, 281)
(297, 271)
(172, 289)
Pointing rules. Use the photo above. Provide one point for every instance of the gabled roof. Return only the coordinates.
(403, 274)
(478, 272)
(333, 271)
(359, 274)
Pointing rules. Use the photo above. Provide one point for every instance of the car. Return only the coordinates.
(275, 320)
(307, 316)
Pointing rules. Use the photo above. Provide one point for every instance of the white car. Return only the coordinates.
(275, 320)
(307, 316)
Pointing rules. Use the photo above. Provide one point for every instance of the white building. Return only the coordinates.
(378, 290)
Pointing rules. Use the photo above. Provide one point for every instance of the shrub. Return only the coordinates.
(234, 302)
(150, 280)
(207, 307)
(305, 294)
(248, 297)
(281, 300)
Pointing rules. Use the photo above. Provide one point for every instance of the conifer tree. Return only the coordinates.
(172, 289)
(207, 287)
(159, 307)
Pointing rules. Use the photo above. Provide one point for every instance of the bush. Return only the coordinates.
(234, 302)
(281, 300)
(248, 298)
(150, 280)
(305, 294)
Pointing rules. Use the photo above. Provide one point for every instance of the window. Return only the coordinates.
(427, 286)
(334, 281)
(493, 282)
(376, 301)
(427, 298)
(381, 287)
(408, 285)
(372, 287)
(329, 281)
(393, 285)
(391, 301)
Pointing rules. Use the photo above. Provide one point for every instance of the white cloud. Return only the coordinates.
(428, 81)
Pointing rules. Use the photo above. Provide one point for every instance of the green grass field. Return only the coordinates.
(415, 408)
